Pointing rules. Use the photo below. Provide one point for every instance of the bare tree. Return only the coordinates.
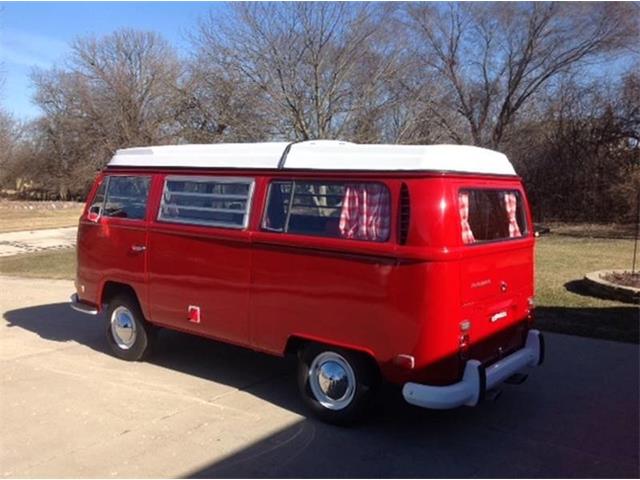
(316, 66)
(493, 58)
(213, 105)
(515, 76)
(581, 157)
(18, 167)
(124, 81)
(114, 92)
(8, 141)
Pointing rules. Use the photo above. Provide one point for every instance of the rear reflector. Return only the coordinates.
(193, 314)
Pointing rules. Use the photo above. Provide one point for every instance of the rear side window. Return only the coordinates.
(490, 215)
(212, 201)
(353, 210)
(126, 197)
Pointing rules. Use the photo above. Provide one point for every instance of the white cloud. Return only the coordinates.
(28, 49)
(20, 51)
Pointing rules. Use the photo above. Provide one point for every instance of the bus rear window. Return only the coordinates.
(489, 215)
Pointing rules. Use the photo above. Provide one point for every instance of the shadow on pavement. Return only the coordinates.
(542, 428)
(493, 441)
(621, 323)
(608, 323)
(219, 362)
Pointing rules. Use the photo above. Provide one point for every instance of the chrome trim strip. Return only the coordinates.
(211, 195)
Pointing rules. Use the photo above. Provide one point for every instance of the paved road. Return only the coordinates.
(29, 241)
(199, 408)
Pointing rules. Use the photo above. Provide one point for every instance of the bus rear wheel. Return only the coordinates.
(337, 385)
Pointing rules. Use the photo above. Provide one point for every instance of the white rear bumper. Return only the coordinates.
(476, 380)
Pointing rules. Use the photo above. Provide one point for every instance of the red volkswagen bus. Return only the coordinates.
(409, 264)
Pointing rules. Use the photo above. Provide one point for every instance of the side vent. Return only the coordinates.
(405, 215)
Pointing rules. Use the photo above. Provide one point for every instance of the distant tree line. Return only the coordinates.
(516, 77)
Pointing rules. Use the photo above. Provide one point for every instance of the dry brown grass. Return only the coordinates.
(17, 215)
(592, 230)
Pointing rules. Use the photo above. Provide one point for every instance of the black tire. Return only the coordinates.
(364, 387)
(140, 346)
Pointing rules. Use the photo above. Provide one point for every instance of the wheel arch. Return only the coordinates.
(296, 342)
(111, 288)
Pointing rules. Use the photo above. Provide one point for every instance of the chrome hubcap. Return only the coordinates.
(332, 380)
(123, 328)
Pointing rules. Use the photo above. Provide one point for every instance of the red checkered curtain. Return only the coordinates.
(365, 212)
(463, 204)
(511, 205)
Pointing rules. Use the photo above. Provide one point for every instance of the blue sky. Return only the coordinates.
(38, 33)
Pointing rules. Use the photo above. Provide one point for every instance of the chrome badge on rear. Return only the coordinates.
(498, 316)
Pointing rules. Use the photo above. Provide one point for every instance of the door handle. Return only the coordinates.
(138, 248)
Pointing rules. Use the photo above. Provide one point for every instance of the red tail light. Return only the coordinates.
(464, 339)
(464, 342)
(530, 311)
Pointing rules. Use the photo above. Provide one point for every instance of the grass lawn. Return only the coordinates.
(561, 262)
(16, 216)
(563, 259)
(51, 264)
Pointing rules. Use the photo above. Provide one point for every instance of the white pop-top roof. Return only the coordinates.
(319, 155)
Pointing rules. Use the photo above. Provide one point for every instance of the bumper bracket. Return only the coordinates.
(82, 307)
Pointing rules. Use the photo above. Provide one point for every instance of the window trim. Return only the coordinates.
(106, 197)
(103, 181)
(524, 234)
(293, 182)
(250, 181)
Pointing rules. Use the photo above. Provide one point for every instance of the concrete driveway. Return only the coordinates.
(199, 408)
(29, 241)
